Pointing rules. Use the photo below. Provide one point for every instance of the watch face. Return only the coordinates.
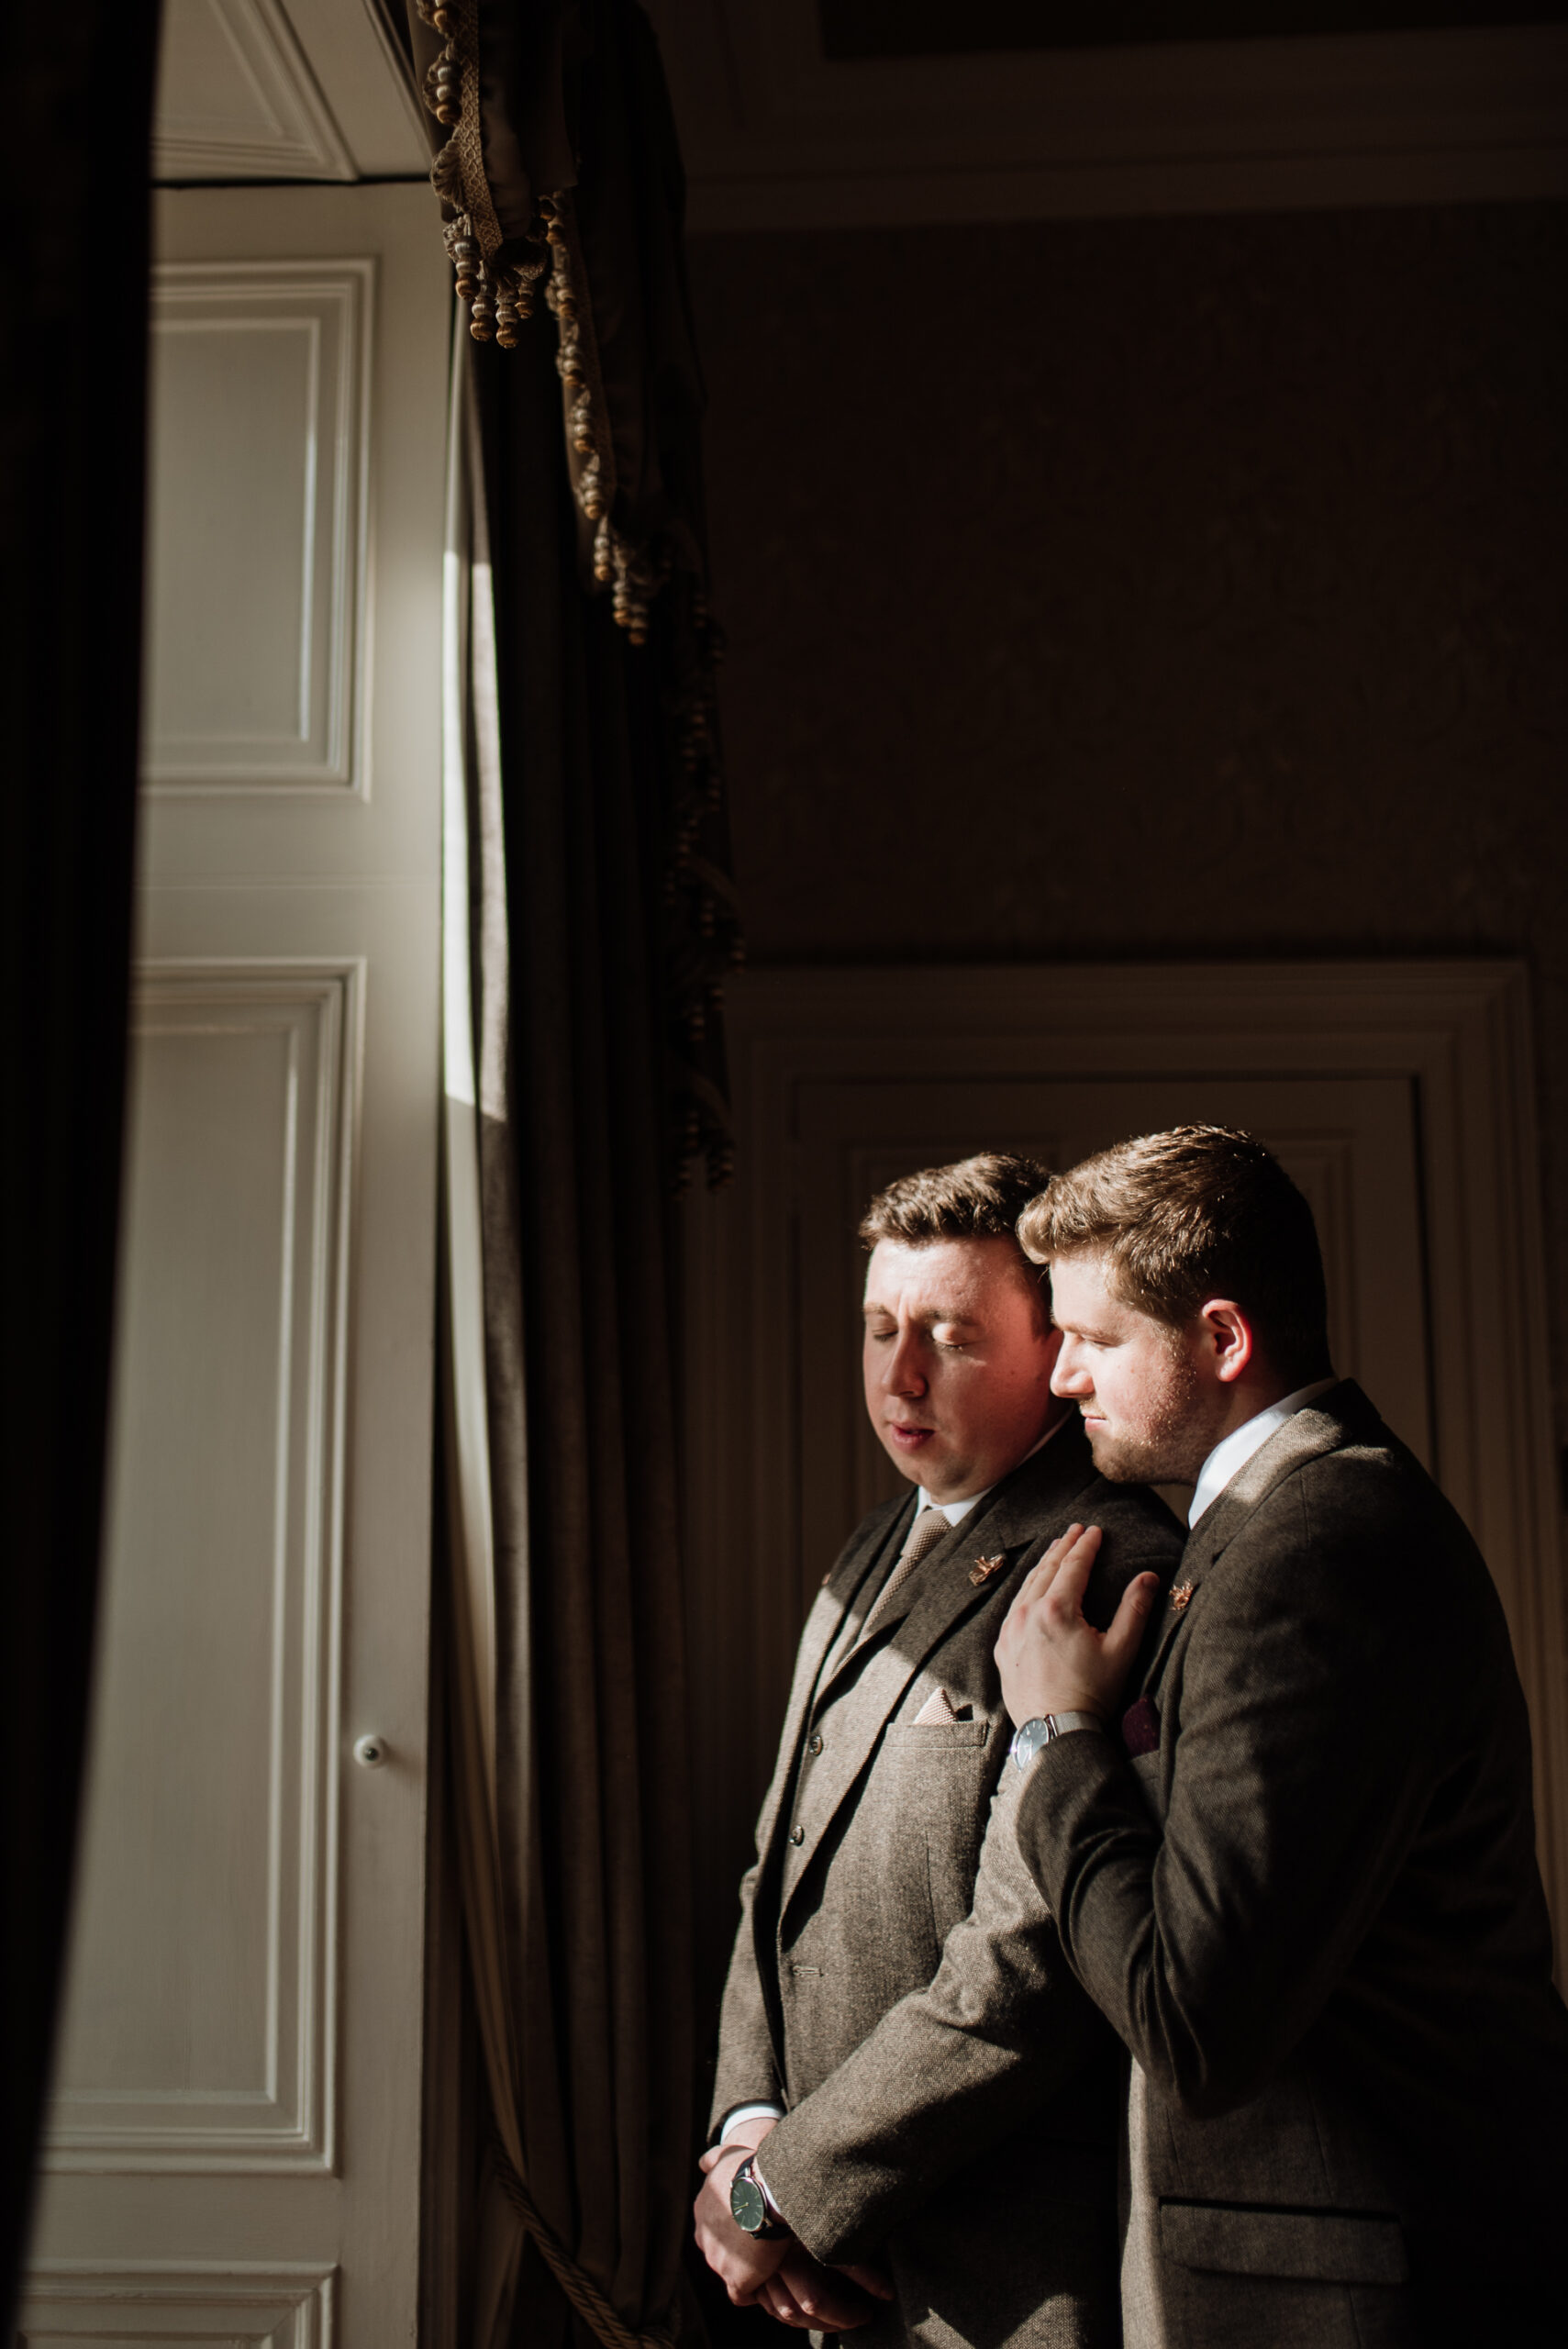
(746, 2204)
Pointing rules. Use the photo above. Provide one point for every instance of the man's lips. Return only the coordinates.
(907, 1434)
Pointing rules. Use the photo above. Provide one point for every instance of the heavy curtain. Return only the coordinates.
(577, 1083)
(72, 421)
(561, 192)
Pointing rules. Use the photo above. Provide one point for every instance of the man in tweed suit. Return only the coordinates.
(1297, 1872)
(930, 2100)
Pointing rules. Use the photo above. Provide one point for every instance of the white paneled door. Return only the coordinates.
(234, 2144)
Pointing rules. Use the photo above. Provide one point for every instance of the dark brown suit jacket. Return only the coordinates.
(896, 1981)
(1311, 1908)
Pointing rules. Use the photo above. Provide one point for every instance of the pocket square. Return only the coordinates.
(1141, 1727)
(939, 1712)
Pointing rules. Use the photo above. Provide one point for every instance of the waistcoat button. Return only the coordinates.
(814, 1742)
(797, 1835)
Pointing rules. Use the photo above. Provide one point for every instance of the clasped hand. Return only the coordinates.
(1051, 1658)
(780, 2277)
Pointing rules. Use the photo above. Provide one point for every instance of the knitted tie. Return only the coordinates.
(925, 1533)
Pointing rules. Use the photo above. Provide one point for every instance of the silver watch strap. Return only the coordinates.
(761, 2183)
(1029, 1736)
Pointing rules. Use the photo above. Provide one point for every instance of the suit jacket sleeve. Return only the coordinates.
(748, 2069)
(1310, 1703)
(946, 2072)
(954, 2068)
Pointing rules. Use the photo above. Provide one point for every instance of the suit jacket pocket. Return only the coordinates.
(930, 1737)
(936, 1781)
(1306, 2246)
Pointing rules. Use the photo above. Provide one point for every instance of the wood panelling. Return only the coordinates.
(1400, 1094)
(776, 135)
(1199, 596)
(1349, 1142)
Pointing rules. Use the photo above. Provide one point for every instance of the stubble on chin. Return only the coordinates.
(1172, 1441)
(1124, 1460)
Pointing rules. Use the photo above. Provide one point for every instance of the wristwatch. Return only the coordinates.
(750, 2208)
(1029, 1736)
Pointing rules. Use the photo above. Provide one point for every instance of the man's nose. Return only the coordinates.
(1071, 1375)
(904, 1374)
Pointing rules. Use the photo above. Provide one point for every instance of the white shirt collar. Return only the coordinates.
(1231, 1455)
(956, 1511)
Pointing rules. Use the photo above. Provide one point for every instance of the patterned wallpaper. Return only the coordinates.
(1152, 587)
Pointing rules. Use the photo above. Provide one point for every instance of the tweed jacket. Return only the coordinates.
(1302, 1886)
(896, 1983)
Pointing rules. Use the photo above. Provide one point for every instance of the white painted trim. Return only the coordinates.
(298, 140)
(292, 2304)
(359, 70)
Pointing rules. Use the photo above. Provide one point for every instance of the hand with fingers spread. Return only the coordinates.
(1051, 1658)
(829, 2299)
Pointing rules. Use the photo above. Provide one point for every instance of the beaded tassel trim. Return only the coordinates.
(500, 296)
(703, 929)
(631, 572)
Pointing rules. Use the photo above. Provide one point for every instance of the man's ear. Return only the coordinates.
(1227, 1337)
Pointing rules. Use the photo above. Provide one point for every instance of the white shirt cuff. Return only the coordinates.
(744, 2112)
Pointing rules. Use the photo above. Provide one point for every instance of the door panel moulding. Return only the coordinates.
(236, 95)
(258, 524)
(1450, 1040)
(1348, 1143)
(245, 1113)
(243, 2074)
(244, 2304)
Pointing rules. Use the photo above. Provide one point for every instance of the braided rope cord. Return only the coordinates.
(580, 2289)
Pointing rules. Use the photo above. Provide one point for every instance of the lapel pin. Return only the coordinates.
(1180, 1597)
(983, 1568)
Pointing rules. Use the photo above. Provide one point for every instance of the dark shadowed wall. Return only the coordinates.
(1112, 589)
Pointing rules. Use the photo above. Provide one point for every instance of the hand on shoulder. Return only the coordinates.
(1051, 1658)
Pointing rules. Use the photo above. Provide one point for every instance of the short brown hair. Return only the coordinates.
(977, 1198)
(1197, 1212)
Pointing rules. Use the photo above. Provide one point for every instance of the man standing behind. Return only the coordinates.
(929, 2088)
(1298, 1872)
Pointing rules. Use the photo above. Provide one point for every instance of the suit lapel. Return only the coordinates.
(1322, 1427)
(1007, 1523)
(847, 1584)
(1009, 1517)
(862, 1589)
